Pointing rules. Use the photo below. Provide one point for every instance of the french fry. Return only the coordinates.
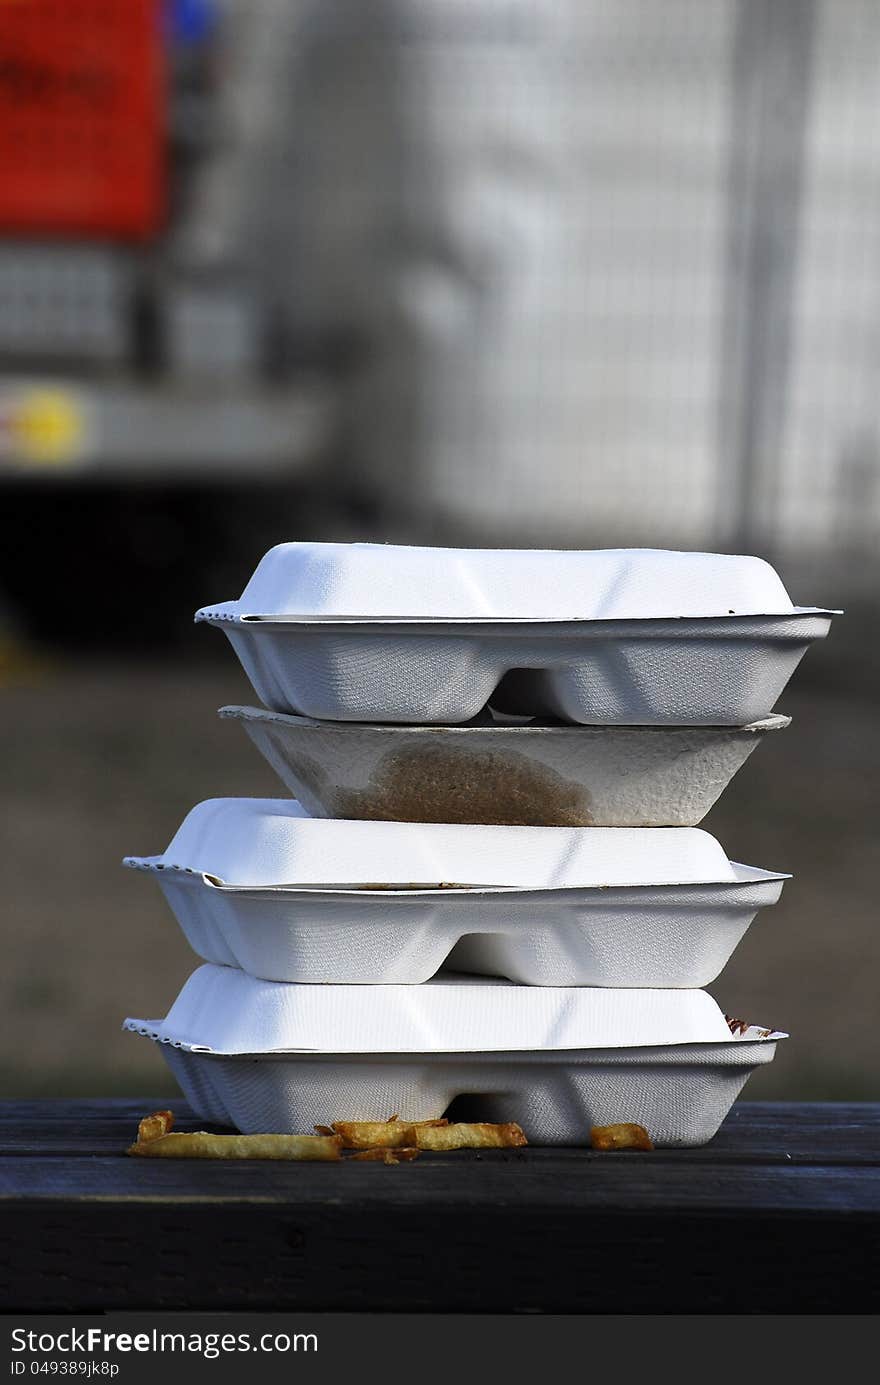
(479, 1136)
(386, 1155)
(390, 1134)
(151, 1127)
(623, 1136)
(388, 1142)
(198, 1144)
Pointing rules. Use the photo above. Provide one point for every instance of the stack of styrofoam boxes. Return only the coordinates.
(551, 870)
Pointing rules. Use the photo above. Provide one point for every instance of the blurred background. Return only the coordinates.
(526, 272)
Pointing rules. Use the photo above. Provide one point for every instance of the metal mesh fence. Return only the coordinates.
(614, 267)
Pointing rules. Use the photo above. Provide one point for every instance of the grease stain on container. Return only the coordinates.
(444, 784)
(513, 774)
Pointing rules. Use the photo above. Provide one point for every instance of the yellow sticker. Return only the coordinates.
(46, 426)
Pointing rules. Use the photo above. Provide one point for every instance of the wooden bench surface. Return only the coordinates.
(780, 1213)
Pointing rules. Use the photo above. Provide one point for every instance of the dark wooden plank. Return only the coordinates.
(575, 1180)
(819, 1128)
(66, 1127)
(831, 1133)
(392, 1255)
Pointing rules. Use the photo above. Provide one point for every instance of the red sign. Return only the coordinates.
(82, 117)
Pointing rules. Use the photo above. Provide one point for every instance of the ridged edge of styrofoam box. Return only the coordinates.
(254, 884)
(532, 775)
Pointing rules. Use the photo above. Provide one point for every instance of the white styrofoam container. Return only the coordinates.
(538, 775)
(720, 671)
(269, 1057)
(255, 885)
(371, 632)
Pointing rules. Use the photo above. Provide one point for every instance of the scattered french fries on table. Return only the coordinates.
(388, 1142)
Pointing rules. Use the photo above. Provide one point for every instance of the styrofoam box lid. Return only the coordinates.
(389, 580)
(223, 1010)
(267, 841)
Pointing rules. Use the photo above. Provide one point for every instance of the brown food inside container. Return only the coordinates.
(444, 783)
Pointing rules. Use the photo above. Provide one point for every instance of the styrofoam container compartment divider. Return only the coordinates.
(256, 884)
(380, 633)
(538, 775)
(268, 1057)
